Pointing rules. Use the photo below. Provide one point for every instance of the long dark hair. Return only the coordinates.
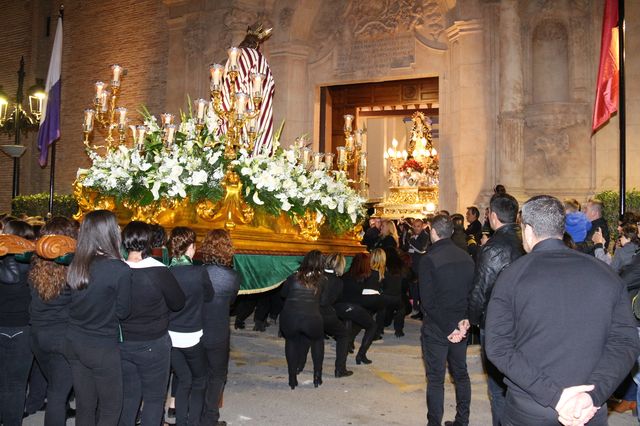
(99, 235)
(47, 277)
(136, 236)
(311, 269)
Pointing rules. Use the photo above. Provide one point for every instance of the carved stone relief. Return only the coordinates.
(553, 149)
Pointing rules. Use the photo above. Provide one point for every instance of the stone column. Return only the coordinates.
(511, 143)
(292, 100)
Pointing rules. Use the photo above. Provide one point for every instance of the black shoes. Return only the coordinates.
(362, 359)
(399, 333)
(317, 379)
(343, 373)
(293, 382)
(239, 325)
(260, 326)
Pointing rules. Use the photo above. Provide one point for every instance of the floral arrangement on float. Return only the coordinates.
(161, 170)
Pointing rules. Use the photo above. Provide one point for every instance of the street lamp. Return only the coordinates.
(15, 120)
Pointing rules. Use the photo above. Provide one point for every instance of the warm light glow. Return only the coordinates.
(200, 104)
(430, 207)
(328, 160)
(216, 71)
(122, 116)
(99, 88)
(256, 84)
(241, 103)
(423, 142)
(394, 143)
(233, 57)
(434, 152)
(117, 73)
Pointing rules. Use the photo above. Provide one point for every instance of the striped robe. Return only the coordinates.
(251, 61)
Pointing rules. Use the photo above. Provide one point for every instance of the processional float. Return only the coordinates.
(220, 167)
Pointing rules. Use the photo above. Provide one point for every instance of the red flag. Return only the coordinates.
(607, 89)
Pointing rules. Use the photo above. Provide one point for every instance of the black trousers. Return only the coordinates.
(15, 363)
(359, 318)
(47, 345)
(393, 310)
(301, 331)
(333, 326)
(437, 352)
(37, 385)
(145, 375)
(217, 370)
(97, 380)
(190, 367)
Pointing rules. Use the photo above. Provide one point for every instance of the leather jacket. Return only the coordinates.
(500, 251)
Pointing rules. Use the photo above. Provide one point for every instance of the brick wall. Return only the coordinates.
(96, 34)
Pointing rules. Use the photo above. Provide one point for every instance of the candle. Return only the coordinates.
(434, 152)
(241, 103)
(348, 119)
(200, 104)
(363, 161)
(117, 72)
(256, 84)
(359, 138)
(317, 160)
(141, 130)
(104, 96)
(88, 120)
(394, 143)
(99, 88)
(233, 57)
(405, 154)
(423, 142)
(252, 124)
(328, 160)
(342, 156)
(166, 118)
(134, 133)
(306, 156)
(171, 130)
(122, 116)
(216, 71)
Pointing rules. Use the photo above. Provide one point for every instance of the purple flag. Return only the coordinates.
(50, 121)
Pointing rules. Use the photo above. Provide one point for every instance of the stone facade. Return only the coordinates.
(517, 77)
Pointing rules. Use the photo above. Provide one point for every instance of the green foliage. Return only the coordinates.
(611, 199)
(38, 205)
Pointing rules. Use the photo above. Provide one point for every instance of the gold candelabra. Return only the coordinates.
(242, 114)
(113, 119)
(352, 153)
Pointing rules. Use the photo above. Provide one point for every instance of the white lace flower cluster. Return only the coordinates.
(279, 177)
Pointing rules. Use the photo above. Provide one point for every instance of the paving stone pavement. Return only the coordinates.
(390, 391)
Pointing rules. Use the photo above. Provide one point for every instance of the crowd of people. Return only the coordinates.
(132, 312)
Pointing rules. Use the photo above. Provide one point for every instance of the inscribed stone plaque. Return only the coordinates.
(374, 55)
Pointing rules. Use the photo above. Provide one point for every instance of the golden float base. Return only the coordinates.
(407, 201)
(252, 232)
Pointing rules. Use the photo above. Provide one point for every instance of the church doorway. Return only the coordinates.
(384, 109)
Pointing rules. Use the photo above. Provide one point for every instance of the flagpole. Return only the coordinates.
(622, 120)
(52, 173)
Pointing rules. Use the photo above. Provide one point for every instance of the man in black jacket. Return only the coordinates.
(559, 326)
(503, 247)
(446, 277)
(594, 210)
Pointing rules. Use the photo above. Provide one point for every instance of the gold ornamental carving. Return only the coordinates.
(309, 225)
(14, 244)
(89, 200)
(233, 209)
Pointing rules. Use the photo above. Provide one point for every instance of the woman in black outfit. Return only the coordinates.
(145, 349)
(50, 300)
(300, 319)
(334, 266)
(217, 254)
(393, 290)
(188, 358)
(15, 343)
(349, 307)
(101, 295)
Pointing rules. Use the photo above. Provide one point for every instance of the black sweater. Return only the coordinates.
(446, 279)
(54, 313)
(154, 292)
(560, 318)
(95, 310)
(226, 284)
(14, 293)
(196, 285)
